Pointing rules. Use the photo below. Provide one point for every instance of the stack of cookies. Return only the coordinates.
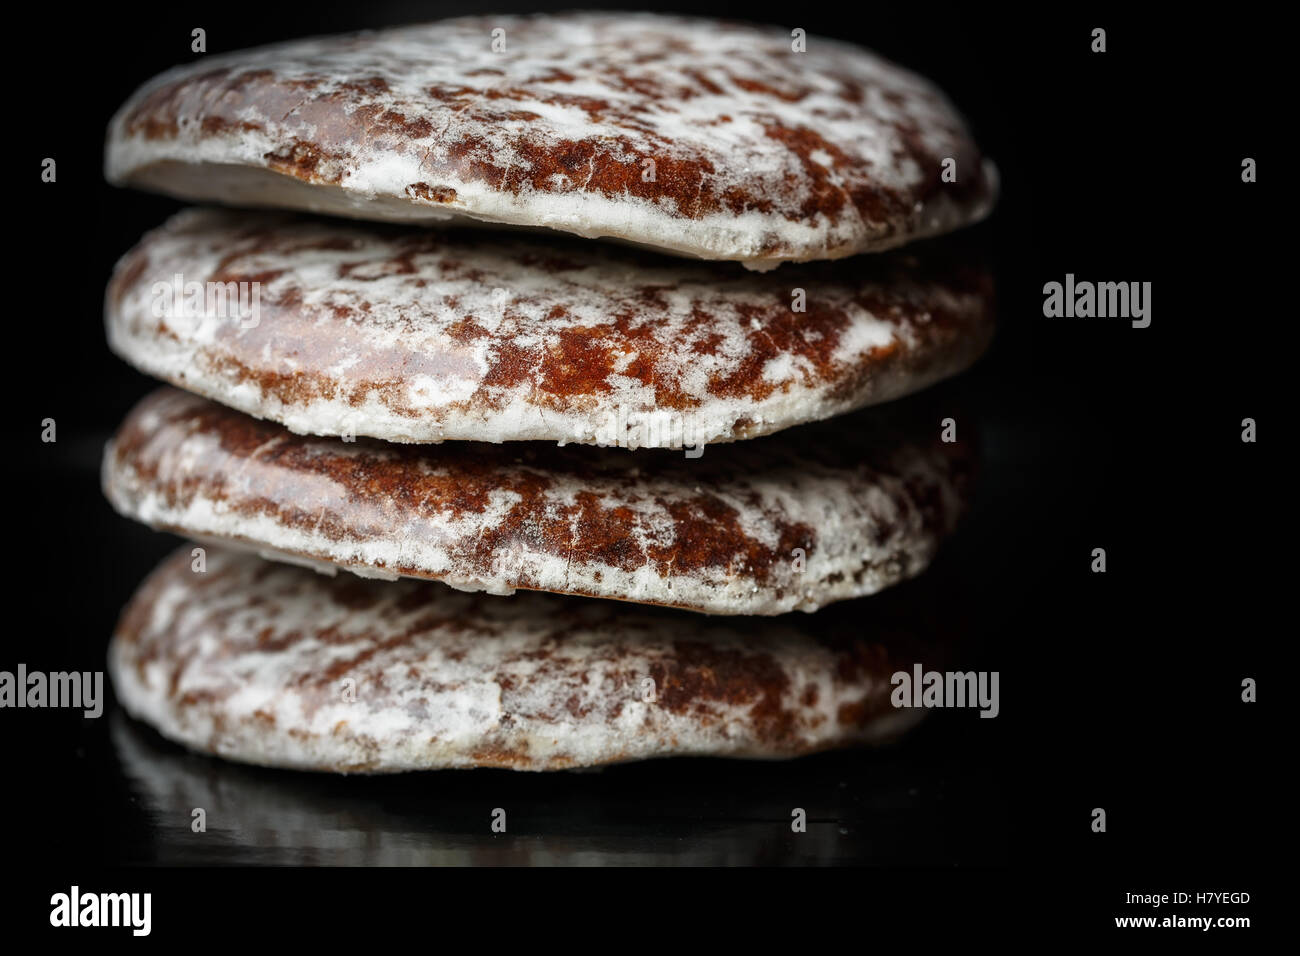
(533, 494)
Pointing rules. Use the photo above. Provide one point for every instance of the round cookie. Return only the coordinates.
(270, 664)
(788, 522)
(697, 137)
(420, 336)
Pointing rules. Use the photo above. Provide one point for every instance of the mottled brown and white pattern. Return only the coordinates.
(789, 522)
(418, 336)
(274, 665)
(697, 137)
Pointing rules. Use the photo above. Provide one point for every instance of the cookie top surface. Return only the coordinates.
(696, 137)
(788, 522)
(419, 336)
(275, 665)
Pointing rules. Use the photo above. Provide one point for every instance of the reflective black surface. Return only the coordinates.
(860, 807)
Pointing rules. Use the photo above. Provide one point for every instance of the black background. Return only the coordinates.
(1119, 690)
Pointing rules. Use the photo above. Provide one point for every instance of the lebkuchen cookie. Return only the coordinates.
(788, 522)
(420, 336)
(275, 665)
(696, 137)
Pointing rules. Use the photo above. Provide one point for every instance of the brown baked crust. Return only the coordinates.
(793, 521)
(761, 154)
(415, 335)
(270, 664)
